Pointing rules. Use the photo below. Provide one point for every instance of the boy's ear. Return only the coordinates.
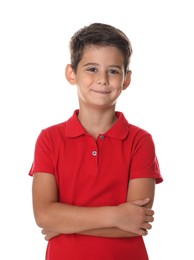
(127, 80)
(70, 74)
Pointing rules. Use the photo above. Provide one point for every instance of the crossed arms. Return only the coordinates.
(129, 219)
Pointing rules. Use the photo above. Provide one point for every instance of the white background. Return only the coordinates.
(34, 94)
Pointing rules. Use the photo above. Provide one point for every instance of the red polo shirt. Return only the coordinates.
(93, 172)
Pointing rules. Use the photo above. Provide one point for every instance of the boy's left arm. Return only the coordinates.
(141, 188)
(138, 189)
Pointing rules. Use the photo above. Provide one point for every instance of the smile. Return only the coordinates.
(101, 91)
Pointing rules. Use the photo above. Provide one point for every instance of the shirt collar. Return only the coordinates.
(119, 130)
(74, 127)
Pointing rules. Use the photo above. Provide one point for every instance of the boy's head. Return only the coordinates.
(99, 34)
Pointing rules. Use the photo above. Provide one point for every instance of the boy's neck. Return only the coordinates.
(97, 122)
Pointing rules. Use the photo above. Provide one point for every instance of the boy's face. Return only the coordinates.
(100, 76)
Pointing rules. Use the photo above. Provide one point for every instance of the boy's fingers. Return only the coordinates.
(149, 219)
(43, 232)
(141, 202)
(149, 212)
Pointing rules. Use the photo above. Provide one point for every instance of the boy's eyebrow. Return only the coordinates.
(96, 64)
(91, 63)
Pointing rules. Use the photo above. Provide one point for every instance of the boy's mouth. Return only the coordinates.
(101, 91)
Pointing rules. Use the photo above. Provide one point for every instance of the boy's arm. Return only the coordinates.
(58, 217)
(67, 219)
(138, 189)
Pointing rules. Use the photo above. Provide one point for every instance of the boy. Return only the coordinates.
(94, 175)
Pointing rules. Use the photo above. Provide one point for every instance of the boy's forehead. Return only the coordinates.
(97, 46)
(109, 49)
(89, 47)
(102, 53)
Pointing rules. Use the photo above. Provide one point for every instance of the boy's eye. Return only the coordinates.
(113, 71)
(92, 69)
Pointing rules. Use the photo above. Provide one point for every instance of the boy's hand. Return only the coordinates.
(49, 234)
(134, 217)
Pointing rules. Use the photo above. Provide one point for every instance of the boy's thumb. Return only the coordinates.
(141, 202)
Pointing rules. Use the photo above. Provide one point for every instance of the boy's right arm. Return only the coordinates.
(67, 219)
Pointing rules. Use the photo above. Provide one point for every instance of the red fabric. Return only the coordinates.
(95, 173)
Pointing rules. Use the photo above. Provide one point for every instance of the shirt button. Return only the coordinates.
(94, 153)
(101, 137)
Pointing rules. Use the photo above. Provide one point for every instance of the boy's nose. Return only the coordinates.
(103, 79)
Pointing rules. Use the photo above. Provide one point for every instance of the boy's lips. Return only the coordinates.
(101, 91)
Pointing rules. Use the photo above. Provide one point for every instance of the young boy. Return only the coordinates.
(94, 175)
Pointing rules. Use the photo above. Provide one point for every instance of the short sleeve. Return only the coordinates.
(43, 158)
(144, 163)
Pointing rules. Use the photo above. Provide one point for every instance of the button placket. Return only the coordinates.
(93, 160)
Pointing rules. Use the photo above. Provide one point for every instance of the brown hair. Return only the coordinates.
(99, 34)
